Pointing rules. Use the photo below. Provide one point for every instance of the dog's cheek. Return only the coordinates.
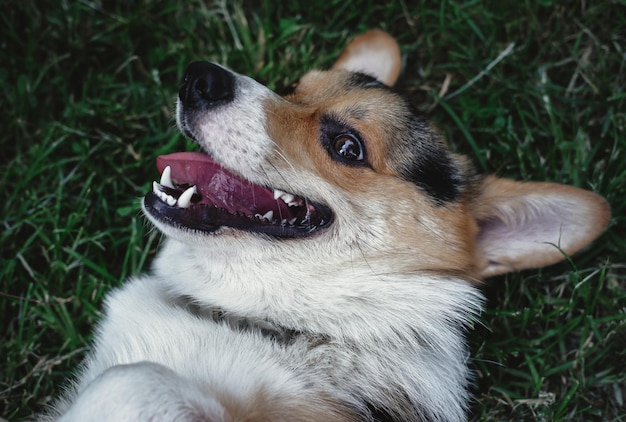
(293, 131)
(439, 239)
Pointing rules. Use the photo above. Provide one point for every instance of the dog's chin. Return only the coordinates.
(198, 195)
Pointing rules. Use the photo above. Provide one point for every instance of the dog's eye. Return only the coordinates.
(348, 147)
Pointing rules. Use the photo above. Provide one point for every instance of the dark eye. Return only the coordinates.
(348, 147)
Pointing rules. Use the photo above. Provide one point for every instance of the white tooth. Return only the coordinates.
(288, 198)
(185, 199)
(268, 215)
(284, 222)
(170, 200)
(155, 188)
(293, 220)
(166, 177)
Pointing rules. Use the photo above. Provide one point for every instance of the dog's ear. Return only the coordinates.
(529, 225)
(374, 53)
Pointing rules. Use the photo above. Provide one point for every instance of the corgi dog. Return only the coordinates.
(323, 257)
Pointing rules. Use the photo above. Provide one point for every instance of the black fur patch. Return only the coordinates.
(430, 166)
(288, 90)
(361, 80)
(379, 415)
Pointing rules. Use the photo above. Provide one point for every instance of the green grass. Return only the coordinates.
(87, 98)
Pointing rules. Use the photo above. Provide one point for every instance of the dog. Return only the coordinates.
(323, 260)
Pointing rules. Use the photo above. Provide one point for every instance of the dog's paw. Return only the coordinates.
(144, 391)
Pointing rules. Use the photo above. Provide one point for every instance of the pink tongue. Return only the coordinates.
(188, 166)
(215, 184)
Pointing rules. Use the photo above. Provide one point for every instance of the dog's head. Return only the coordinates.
(343, 163)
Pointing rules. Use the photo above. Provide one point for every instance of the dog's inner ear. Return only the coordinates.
(530, 225)
(374, 53)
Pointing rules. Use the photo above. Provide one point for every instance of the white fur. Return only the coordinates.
(143, 324)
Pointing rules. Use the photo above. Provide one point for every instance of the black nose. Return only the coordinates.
(206, 85)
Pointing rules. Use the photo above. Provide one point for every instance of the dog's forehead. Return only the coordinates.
(354, 98)
(332, 86)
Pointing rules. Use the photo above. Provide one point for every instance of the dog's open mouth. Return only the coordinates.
(197, 193)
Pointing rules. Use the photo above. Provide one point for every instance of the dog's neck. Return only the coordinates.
(276, 295)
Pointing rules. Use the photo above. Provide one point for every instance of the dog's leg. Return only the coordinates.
(144, 391)
(148, 391)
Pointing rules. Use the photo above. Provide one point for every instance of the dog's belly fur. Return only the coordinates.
(236, 363)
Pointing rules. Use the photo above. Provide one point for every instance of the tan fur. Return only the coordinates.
(415, 222)
(263, 407)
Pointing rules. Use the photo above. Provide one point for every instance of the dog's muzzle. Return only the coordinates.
(198, 192)
(206, 85)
